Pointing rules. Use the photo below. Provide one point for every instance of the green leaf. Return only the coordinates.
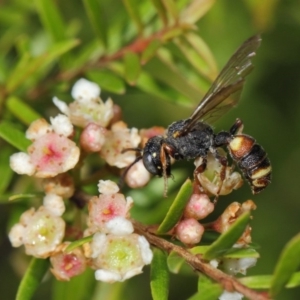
(203, 50)
(197, 8)
(29, 66)
(6, 171)
(107, 81)
(177, 207)
(175, 262)
(288, 263)
(77, 288)
(241, 253)
(147, 84)
(32, 278)
(22, 196)
(164, 69)
(171, 8)
(193, 57)
(133, 11)
(150, 51)
(13, 136)
(22, 110)
(132, 67)
(159, 276)
(257, 282)
(79, 243)
(227, 239)
(207, 289)
(51, 19)
(265, 281)
(161, 10)
(96, 18)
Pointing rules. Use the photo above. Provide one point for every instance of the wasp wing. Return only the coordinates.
(226, 89)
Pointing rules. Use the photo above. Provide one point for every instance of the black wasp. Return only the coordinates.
(193, 137)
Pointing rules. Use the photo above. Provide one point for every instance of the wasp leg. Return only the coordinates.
(223, 161)
(165, 153)
(200, 169)
(237, 127)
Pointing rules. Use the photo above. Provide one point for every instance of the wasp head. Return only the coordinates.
(155, 159)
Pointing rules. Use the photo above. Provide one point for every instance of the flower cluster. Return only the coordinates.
(111, 246)
(51, 155)
(115, 251)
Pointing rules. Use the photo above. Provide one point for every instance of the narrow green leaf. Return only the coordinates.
(197, 8)
(175, 262)
(171, 8)
(79, 243)
(257, 282)
(6, 171)
(96, 17)
(193, 57)
(207, 289)
(159, 276)
(288, 263)
(164, 69)
(78, 288)
(227, 239)
(161, 10)
(32, 278)
(132, 8)
(22, 110)
(107, 81)
(150, 51)
(13, 136)
(51, 19)
(132, 67)
(265, 281)
(104, 290)
(22, 196)
(294, 280)
(147, 84)
(203, 50)
(33, 66)
(17, 73)
(177, 207)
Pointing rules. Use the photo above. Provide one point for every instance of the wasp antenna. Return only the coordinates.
(132, 149)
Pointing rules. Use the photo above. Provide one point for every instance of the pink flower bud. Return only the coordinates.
(67, 265)
(198, 207)
(93, 137)
(189, 231)
(137, 176)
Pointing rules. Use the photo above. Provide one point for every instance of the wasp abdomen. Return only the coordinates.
(252, 160)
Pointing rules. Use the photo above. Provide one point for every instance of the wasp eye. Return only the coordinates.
(149, 160)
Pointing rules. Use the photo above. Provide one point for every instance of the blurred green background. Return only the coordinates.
(269, 108)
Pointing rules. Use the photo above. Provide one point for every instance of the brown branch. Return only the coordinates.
(228, 282)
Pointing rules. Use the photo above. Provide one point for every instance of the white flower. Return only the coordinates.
(120, 257)
(61, 105)
(234, 266)
(107, 187)
(119, 226)
(85, 90)
(62, 125)
(231, 296)
(55, 204)
(21, 163)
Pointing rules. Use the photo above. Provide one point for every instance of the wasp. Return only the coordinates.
(194, 137)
